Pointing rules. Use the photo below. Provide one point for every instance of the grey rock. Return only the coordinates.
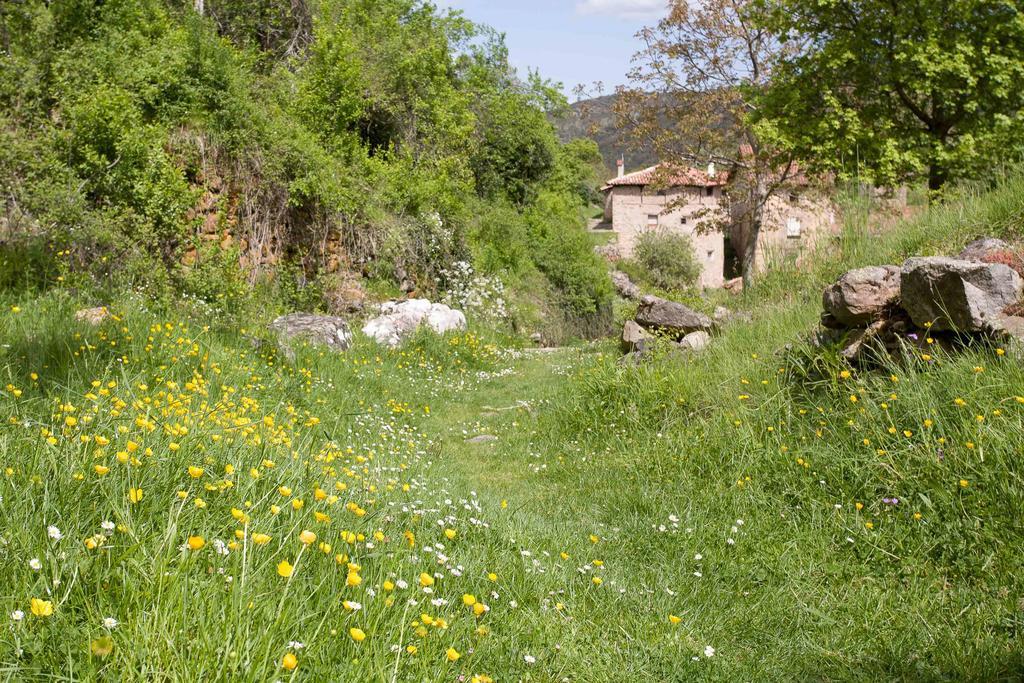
(93, 316)
(953, 294)
(482, 438)
(724, 316)
(626, 288)
(1009, 326)
(861, 341)
(830, 322)
(318, 329)
(634, 337)
(980, 248)
(673, 318)
(695, 341)
(861, 295)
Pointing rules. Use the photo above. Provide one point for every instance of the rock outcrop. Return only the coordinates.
(317, 329)
(682, 329)
(400, 320)
(671, 318)
(929, 303)
(634, 338)
(862, 295)
(626, 288)
(953, 294)
(981, 249)
(695, 341)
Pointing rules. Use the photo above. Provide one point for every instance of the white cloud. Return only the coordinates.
(624, 9)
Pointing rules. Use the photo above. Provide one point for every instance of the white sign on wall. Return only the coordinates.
(793, 227)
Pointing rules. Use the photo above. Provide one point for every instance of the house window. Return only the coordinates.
(652, 221)
(793, 228)
(710, 191)
(682, 221)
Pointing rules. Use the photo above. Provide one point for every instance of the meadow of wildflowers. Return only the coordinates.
(180, 504)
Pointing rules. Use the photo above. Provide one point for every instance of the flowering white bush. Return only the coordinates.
(479, 296)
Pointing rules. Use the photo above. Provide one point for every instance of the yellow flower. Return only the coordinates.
(101, 469)
(964, 484)
(285, 569)
(674, 619)
(289, 662)
(357, 634)
(284, 491)
(134, 495)
(426, 579)
(260, 539)
(196, 542)
(450, 534)
(411, 649)
(452, 654)
(594, 539)
(195, 472)
(307, 536)
(597, 580)
(41, 608)
(353, 579)
(468, 600)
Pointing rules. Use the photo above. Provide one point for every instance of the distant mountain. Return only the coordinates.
(595, 119)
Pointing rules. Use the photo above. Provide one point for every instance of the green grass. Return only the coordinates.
(640, 475)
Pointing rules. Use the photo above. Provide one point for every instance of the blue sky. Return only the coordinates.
(572, 41)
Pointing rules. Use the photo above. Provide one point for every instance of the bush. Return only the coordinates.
(666, 260)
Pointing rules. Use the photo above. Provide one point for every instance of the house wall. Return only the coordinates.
(814, 213)
(631, 206)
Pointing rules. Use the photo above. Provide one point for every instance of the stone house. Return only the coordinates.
(693, 202)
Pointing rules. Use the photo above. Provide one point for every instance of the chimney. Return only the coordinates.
(621, 163)
(711, 170)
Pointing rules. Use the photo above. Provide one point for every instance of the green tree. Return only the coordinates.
(893, 90)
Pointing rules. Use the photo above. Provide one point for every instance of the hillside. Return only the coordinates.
(595, 119)
(181, 502)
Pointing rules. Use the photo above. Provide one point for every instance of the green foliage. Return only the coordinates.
(395, 127)
(900, 90)
(563, 253)
(666, 259)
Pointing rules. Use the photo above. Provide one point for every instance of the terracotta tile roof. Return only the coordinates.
(689, 177)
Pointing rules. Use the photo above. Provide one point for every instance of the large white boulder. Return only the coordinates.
(400, 320)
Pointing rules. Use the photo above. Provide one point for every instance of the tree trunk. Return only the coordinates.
(750, 252)
(937, 177)
(756, 217)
